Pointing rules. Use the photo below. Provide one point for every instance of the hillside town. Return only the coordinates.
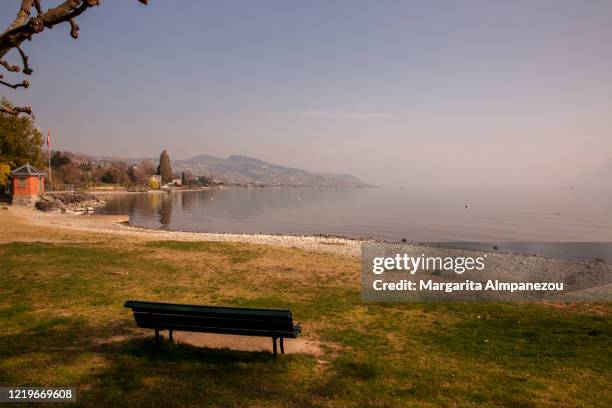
(30, 171)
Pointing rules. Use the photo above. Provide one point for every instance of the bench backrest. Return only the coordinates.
(216, 319)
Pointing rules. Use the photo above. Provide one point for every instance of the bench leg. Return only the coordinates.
(156, 337)
(170, 336)
(282, 346)
(274, 345)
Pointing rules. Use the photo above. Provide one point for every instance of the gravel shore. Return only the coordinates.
(118, 225)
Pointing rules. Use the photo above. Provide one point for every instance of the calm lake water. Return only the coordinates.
(392, 214)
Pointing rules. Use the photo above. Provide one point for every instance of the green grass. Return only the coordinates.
(58, 302)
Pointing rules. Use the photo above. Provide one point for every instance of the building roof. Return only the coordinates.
(27, 170)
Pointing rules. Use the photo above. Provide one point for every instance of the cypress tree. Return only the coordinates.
(164, 169)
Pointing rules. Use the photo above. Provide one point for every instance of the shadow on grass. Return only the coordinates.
(137, 372)
(142, 373)
(147, 348)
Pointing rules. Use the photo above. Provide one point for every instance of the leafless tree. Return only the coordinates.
(25, 26)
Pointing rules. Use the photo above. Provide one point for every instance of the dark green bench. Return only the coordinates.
(274, 323)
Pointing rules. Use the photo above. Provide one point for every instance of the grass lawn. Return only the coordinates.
(60, 301)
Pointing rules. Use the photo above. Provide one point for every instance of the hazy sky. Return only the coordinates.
(461, 93)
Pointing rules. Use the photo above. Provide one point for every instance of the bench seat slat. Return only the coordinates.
(162, 319)
(236, 316)
(206, 310)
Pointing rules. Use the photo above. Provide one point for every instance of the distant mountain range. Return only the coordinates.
(248, 170)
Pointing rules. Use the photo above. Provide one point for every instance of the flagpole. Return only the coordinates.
(49, 154)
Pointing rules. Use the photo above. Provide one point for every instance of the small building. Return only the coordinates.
(28, 183)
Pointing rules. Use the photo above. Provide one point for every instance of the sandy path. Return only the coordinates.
(299, 345)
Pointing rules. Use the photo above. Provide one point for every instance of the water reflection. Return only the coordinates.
(382, 213)
(165, 210)
(189, 201)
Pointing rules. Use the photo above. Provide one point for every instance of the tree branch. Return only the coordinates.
(9, 67)
(37, 6)
(24, 84)
(16, 110)
(74, 29)
(22, 15)
(26, 67)
(24, 27)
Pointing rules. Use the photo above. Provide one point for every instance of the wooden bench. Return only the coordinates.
(274, 323)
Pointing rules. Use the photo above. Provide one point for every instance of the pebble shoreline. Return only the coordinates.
(117, 225)
(340, 246)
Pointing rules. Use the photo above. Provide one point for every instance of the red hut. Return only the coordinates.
(28, 184)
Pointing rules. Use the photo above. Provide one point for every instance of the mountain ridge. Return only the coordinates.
(242, 169)
(246, 170)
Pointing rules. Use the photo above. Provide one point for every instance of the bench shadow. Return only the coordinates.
(147, 347)
(133, 371)
(140, 373)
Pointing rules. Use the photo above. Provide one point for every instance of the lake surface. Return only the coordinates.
(384, 213)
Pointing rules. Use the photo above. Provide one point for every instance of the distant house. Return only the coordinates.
(28, 183)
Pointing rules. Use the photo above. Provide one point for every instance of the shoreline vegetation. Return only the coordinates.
(65, 278)
(85, 172)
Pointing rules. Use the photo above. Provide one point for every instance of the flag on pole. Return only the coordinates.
(49, 140)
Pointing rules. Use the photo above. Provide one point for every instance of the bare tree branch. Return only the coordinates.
(37, 6)
(22, 15)
(24, 27)
(24, 84)
(9, 67)
(74, 29)
(26, 67)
